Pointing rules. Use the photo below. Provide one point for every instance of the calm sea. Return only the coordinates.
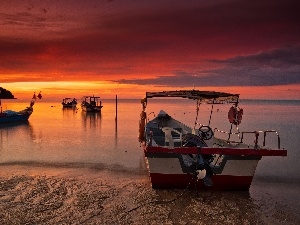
(57, 136)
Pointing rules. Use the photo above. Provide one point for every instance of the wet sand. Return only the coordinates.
(64, 195)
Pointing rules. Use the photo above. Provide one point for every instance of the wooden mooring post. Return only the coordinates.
(116, 108)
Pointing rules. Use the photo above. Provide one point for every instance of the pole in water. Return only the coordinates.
(116, 108)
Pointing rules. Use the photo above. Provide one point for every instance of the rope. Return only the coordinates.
(212, 107)
(164, 201)
(198, 107)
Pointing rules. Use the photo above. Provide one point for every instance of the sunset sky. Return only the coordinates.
(128, 47)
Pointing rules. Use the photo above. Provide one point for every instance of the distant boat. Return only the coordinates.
(9, 116)
(180, 156)
(69, 102)
(91, 104)
(12, 116)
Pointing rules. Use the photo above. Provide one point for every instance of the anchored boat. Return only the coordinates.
(180, 156)
(91, 104)
(9, 116)
(69, 102)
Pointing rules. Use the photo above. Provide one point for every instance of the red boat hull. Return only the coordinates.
(234, 173)
(220, 182)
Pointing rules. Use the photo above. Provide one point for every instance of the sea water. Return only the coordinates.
(54, 136)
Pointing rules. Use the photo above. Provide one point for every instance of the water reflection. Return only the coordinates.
(91, 120)
(68, 112)
(17, 127)
(116, 132)
(22, 129)
(14, 124)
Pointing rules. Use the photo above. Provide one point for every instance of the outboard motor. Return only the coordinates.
(191, 140)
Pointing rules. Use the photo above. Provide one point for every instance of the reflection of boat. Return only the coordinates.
(16, 116)
(24, 123)
(69, 102)
(91, 104)
(91, 120)
(180, 156)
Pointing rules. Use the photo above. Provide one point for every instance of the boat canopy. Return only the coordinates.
(203, 96)
(91, 98)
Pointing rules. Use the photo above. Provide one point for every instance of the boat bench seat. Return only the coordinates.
(173, 137)
(158, 136)
(162, 139)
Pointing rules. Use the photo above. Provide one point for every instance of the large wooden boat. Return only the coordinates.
(180, 156)
(91, 104)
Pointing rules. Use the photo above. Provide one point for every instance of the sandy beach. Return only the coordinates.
(64, 195)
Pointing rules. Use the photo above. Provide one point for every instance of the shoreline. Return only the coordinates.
(49, 195)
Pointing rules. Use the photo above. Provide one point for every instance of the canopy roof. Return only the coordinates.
(91, 97)
(207, 96)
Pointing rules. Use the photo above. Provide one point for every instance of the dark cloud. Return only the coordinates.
(273, 67)
(285, 57)
(147, 37)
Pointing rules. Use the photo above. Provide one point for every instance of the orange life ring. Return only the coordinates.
(235, 115)
(142, 126)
